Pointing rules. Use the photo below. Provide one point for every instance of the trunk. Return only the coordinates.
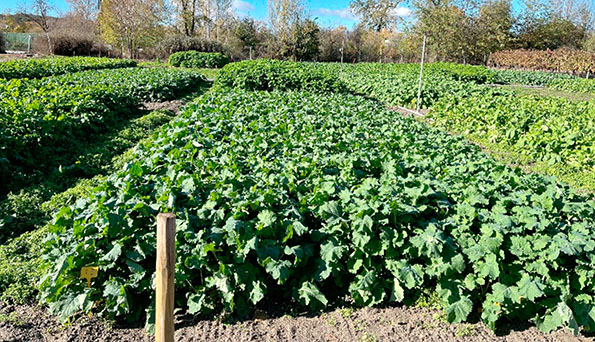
(193, 20)
(47, 34)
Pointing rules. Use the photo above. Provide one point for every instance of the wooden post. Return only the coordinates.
(166, 262)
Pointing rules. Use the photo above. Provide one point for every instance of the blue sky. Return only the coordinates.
(328, 12)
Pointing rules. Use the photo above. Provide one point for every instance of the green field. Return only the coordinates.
(298, 183)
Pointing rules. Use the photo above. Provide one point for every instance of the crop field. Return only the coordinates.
(299, 186)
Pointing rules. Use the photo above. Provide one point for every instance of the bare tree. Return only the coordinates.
(283, 14)
(206, 10)
(187, 12)
(222, 9)
(579, 12)
(84, 9)
(39, 13)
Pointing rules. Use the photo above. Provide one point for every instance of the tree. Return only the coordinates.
(579, 12)
(131, 23)
(550, 24)
(283, 14)
(39, 13)
(206, 10)
(303, 44)
(84, 9)
(222, 9)
(448, 29)
(247, 32)
(493, 28)
(376, 14)
(331, 43)
(187, 14)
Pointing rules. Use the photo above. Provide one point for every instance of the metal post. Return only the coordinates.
(421, 73)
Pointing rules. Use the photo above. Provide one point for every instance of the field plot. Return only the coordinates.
(296, 188)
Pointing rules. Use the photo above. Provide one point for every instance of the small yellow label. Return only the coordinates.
(89, 272)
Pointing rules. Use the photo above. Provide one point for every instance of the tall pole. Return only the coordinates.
(342, 49)
(421, 73)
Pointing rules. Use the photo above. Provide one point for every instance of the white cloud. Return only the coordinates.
(343, 13)
(242, 6)
(402, 11)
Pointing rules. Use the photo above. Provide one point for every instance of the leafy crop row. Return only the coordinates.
(559, 60)
(196, 59)
(579, 85)
(556, 132)
(398, 84)
(42, 67)
(279, 75)
(537, 78)
(42, 119)
(309, 198)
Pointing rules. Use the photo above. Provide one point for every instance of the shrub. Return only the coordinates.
(196, 59)
(175, 44)
(2, 43)
(67, 45)
(559, 60)
(270, 75)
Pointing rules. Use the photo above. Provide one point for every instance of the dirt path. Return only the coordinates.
(26, 323)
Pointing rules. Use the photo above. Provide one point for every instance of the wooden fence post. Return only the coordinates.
(166, 262)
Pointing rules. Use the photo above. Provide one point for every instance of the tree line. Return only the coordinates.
(456, 30)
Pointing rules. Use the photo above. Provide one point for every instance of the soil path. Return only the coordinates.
(27, 323)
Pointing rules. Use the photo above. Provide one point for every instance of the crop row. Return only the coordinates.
(577, 85)
(41, 119)
(556, 132)
(559, 60)
(42, 67)
(267, 75)
(394, 84)
(195, 59)
(305, 198)
(536, 78)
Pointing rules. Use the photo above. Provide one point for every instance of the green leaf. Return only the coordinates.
(279, 269)
(530, 289)
(257, 292)
(114, 253)
(309, 292)
(266, 218)
(398, 293)
(459, 310)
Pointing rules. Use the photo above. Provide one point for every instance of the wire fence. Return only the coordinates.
(18, 41)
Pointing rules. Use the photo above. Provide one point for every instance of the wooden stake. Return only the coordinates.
(166, 262)
(421, 73)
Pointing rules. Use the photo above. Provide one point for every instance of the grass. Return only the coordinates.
(210, 74)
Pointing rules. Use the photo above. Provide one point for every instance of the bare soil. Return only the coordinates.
(30, 323)
(173, 105)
